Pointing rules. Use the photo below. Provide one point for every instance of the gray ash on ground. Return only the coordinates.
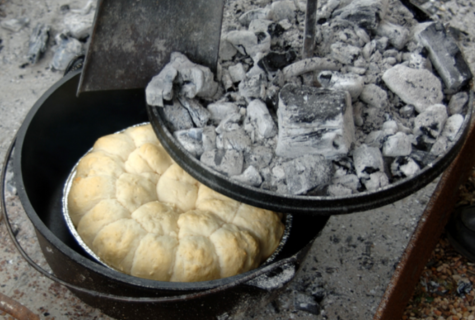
(383, 92)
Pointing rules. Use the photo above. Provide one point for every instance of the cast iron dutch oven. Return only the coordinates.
(60, 129)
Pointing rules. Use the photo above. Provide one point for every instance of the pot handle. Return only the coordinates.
(93, 293)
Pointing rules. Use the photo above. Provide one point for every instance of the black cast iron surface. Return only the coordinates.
(132, 40)
(57, 131)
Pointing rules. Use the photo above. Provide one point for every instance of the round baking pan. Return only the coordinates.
(57, 131)
(302, 204)
(287, 220)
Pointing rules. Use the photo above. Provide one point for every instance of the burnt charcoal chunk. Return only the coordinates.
(350, 82)
(191, 140)
(250, 176)
(314, 121)
(177, 117)
(306, 303)
(258, 157)
(199, 114)
(260, 121)
(422, 158)
(307, 173)
(365, 13)
(430, 123)
(67, 49)
(423, 144)
(274, 61)
(445, 56)
(369, 166)
(275, 30)
(228, 162)
(38, 42)
(346, 164)
(417, 87)
(403, 167)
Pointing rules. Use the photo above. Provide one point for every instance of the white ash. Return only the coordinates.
(415, 60)
(418, 87)
(228, 162)
(306, 303)
(234, 140)
(350, 181)
(250, 176)
(258, 156)
(261, 123)
(220, 110)
(176, 116)
(446, 56)
(374, 96)
(403, 167)
(226, 50)
(309, 65)
(306, 173)
(66, 49)
(431, 122)
(345, 53)
(259, 25)
(253, 15)
(452, 126)
(367, 160)
(209, 138)
(283, 10)
(407, 111)
(237, 72)
(440, 146)
(38, 42)
(250, 43)
(229, 123)
(194, 81)
(352, 83)
(365, 13)
(371, 49)
(397, 145)
(15, 25)
(375, 139)
(397, 35)
(78, 22)
(390, 127)
(254, 84)
(191, 140)
(198, 113)
(376, 181)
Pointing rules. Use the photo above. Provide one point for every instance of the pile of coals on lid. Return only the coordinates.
(382, 97)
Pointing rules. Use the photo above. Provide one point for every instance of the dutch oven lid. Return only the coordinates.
(297, 204)
(303, 204)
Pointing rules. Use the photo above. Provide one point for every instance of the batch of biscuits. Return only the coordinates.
(142, 214)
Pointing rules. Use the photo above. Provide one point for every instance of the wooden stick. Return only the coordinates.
(16, 309)
(310, 29)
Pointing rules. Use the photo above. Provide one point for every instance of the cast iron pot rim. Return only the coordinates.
(89, 264)
(301, 204)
